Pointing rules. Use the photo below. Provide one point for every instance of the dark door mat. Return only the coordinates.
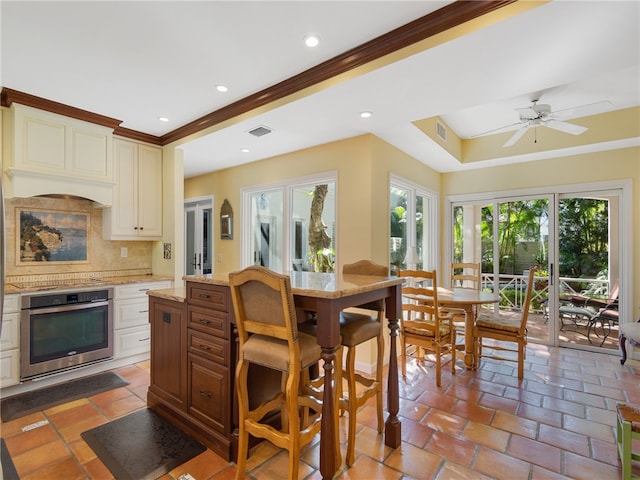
(141, 446)
(8, 471)
(47, 397)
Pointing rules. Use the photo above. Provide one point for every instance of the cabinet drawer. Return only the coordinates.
(11, 304)
(10, 337)
(209, 321)
(9, 368)
(131, 313)
(132, 341)
(209, 395)
(138, 290)
(213, 348)
(211, 296)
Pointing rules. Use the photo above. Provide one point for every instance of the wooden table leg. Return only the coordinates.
(330, 457)
(393, 427)
(469, 354)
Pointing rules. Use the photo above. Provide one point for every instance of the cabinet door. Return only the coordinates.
(123, 214)
(168, 352)
(90, 153)
(209, 397)
(44, 144)
(149, 191)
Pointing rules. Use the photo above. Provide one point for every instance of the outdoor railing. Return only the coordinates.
(518, 285)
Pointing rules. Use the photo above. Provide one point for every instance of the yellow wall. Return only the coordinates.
(363, 164)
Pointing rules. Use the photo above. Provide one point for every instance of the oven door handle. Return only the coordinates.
(67, 308)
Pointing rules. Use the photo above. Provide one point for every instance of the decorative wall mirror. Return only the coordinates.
(226, 221)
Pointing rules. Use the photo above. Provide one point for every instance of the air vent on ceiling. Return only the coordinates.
(260, 131)
(441, 131)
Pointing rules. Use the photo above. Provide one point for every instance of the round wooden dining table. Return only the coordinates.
(466, 299)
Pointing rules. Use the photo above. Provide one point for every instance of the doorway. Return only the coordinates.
(198, 236)
(575, 240)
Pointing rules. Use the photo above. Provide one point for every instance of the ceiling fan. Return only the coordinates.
(540, 114)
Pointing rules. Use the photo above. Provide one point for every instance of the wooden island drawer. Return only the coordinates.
(211, 296)
(213, 348)
(209, 321)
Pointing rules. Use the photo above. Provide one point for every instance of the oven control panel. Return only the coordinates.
(66, 298)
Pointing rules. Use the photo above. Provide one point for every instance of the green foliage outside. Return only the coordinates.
(582, 229)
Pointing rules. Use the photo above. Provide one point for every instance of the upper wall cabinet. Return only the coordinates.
(54, 154)
(137, 200)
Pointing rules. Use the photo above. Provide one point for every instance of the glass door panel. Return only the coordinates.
(266, 229)
(198, 237)
(589, 268)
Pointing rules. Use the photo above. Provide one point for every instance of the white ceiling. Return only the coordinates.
(136, 61)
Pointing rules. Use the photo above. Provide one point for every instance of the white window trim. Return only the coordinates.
(431, 223)
(286, 186)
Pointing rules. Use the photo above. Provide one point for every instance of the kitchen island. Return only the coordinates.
(193, 354)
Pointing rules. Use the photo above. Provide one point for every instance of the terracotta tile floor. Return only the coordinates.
(558, 423)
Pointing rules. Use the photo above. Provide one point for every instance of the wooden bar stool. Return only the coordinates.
(628, 429)
(268, 336)
(355, 329)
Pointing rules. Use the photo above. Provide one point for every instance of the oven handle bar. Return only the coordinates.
(68, 307)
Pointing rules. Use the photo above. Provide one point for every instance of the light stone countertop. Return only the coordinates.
(178, 294)
(60, 284)
(312, 284)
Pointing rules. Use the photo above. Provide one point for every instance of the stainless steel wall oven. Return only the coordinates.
(60, 330)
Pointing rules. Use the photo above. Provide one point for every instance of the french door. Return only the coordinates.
(574, 240)
(198, 236)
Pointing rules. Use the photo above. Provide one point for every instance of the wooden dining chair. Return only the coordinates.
(268, 336)
(423, 325)
(466, 275)
(506, 329)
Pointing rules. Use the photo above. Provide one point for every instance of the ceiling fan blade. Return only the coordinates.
(565, 127)
(496, 130)
(583, 110)
(516, 136)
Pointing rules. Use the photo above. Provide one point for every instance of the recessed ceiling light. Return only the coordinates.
(244, 150)
(221, 88)
(365, 114)
(311, 40)
(163, 119)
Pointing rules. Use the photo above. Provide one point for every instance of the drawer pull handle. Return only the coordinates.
(205, 394)
(143, 289)
(144, 339)
(204, 347)
(204, 295)
(143, 311)
(205, 322)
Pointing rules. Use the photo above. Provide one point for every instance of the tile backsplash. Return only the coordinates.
(102, 255)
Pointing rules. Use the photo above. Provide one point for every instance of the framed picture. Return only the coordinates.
(47, 236)
(226, 227)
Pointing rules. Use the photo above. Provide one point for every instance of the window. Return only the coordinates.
(292, 226)
(413, 217)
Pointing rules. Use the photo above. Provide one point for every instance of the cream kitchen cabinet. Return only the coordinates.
(47, 150)
(131, 328)
(10, 342)
(136, 213)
